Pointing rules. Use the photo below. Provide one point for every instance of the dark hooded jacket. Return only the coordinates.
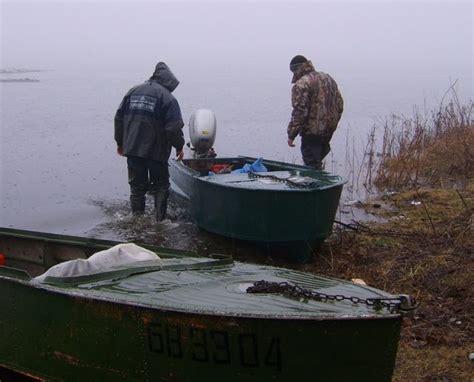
(148, 121)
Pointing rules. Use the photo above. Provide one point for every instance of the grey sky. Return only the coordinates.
(197, 37)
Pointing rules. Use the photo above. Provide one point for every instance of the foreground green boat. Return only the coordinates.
(183, 317)
(288, 206)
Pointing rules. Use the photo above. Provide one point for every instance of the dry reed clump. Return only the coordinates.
(426, 150)
(450, 158)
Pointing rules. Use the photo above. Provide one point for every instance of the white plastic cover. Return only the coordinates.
(117, 256)
(202, 129)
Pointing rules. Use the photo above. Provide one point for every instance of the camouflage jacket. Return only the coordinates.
(317, 103)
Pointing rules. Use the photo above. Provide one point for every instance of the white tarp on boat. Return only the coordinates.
(103, 261)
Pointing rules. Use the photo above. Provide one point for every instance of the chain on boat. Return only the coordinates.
(296, 182)
(402, 303)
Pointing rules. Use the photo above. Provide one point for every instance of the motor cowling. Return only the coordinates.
(202, 131)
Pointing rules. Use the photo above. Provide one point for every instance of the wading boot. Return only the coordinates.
(137, 204)
(161, 204)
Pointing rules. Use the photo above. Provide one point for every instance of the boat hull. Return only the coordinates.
(114, 329)
(297, 219)
(64, 338)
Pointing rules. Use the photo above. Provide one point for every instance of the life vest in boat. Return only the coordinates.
(2, 259)
(220, 168)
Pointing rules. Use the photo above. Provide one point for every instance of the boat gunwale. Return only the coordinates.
(117, 300)
(74, 290)
(205, 179)
(140, 267)
(339, 180)
(54, 238)
(17, 275)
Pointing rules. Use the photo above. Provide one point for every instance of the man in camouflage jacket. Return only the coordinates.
(317, 109)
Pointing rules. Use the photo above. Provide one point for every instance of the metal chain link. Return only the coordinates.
(401, 303)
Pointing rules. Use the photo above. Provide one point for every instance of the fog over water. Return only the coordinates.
(58, 168)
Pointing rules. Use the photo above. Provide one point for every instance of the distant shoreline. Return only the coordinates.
(19, 80)
(20, 71)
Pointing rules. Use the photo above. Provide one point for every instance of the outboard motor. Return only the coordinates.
(202, 131)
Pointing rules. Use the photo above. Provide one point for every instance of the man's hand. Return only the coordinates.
(120, 150)
(291, 142)
(179, 154)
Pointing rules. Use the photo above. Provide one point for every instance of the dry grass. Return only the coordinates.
(433, 364)
(450, 156)
(433, 149)
(427, 252)
(425, 247)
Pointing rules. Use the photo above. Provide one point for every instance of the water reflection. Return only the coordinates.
(178, 232)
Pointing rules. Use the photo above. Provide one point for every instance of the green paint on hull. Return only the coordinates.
(274, 213)
(189, 321)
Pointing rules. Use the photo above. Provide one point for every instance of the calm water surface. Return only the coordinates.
(60, 172)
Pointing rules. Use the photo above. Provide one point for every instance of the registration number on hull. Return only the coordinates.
(214, 346)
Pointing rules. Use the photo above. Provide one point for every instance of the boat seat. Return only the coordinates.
(115, 257)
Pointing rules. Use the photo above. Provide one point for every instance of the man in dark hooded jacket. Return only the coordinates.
(148, 124)
(317, 109)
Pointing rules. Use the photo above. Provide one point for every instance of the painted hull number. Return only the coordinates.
(214, 346)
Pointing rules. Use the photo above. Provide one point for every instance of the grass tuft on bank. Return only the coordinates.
(434, 149)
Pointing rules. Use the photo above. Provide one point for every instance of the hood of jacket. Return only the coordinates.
(303, 69)
(165, 77)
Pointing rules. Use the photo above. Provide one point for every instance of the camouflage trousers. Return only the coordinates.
(141, 174)
(314, 149)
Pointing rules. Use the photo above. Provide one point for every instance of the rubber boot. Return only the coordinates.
(161, 204)
(137, 200)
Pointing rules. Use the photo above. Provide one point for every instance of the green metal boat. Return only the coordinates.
(183, 317)
(288, 206)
